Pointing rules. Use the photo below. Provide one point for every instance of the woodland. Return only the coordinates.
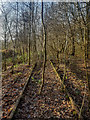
(45, 52)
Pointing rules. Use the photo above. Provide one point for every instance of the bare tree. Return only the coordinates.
(45, 51)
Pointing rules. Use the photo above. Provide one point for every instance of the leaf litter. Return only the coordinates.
(12, 85)
(52, 103)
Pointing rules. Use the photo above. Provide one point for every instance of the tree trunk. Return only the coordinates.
(88, 28)
(85, 61)
(30, 34)
(5, 39)
(45, 54)
(73, 46)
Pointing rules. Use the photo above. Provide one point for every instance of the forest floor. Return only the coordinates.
(76, 84)
(12, 85)
(53, 102)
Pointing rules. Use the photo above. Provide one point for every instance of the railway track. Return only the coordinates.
(20, 96)
(63, 85)
(53, 103)
(75, 88)
(36, 67)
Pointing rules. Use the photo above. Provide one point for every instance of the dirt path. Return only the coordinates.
(53, 103)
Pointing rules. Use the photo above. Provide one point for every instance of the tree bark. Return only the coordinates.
(45, 52)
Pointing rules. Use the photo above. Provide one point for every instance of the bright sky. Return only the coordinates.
(45, 0)
(37, 1)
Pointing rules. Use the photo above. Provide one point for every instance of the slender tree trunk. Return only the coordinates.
(30, 34)
(85, 61)
(24, 38)
(58, 56)
(29, 49)
(45, 53)
(88, 28)
(65, 58)
(13, 59)
(73, 46)
(5, 39)
(33, 33)
(16, 24)
(44, 64)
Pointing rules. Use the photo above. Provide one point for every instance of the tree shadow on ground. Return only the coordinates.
(79, 70)
(75, 93)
